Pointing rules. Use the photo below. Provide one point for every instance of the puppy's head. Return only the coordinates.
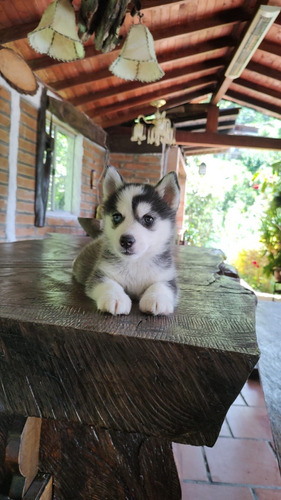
(139, 218)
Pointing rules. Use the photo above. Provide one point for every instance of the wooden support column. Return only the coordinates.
(212, 118)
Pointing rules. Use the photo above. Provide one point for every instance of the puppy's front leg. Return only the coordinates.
(159, 299)
(110, 297)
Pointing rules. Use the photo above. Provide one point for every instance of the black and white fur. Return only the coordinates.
(133, 259)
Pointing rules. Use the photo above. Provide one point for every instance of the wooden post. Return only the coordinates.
(212, 118)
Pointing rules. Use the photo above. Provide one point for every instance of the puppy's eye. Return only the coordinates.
(117, 218)
(148, 220)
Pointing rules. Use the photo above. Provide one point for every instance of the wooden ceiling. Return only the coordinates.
(194, 41)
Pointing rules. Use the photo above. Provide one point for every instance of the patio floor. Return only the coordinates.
(242, 465)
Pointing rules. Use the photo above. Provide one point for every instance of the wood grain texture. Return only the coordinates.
(99, 464)
(144, 378)
(269, 339)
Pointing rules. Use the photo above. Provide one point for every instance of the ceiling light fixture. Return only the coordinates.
(156, 129)
(56, 33)
(137, 59)
(258, 28)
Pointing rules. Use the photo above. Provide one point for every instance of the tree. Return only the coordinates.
(200, 227)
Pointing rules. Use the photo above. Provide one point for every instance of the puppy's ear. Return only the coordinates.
(168, 188)
(111, 182)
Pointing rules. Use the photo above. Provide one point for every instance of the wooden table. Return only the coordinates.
(114, 392)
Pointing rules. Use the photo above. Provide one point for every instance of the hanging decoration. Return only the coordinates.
(137, 59)
(56, 33)
(16, 72)
(104, 19)
(157, 130)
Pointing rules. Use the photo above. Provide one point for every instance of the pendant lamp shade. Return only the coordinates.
(137, 59)
(56, 33)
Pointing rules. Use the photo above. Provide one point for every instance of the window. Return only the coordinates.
(65, 182)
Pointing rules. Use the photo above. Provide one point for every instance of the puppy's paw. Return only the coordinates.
(111, 298)
(157, 301)
(115, 304)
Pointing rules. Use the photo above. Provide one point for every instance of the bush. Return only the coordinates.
(250, 264)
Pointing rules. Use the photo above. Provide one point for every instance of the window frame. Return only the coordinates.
(74, 192)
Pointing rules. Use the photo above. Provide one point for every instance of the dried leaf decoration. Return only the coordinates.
(16, 72)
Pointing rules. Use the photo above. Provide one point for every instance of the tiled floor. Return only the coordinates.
(242, 464)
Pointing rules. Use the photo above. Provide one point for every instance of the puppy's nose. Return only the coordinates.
(127, 241)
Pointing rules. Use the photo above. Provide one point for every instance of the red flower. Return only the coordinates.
(255, 263)
(255, 186)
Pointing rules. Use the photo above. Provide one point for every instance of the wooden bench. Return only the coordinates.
(269, 339)
(112, 393)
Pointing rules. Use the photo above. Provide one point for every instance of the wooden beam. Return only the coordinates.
(108, 121)
(271, 47)
(44, 62)
(99, 75)
(212, 118)
(263, 69)
(190, 120)
(262, 106)
(78, 120)
(210, 139)
(221, 90)
(19, 32)
(229, 17)
(154, 94)
(260, 89)
(202, 48)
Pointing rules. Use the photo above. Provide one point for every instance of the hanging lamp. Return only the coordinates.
(159, 127)
(137, 59)
(56, 33)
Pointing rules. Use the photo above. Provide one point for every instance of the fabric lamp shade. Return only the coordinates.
(137, 59)
(56, 33)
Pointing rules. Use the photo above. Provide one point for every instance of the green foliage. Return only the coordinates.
(199, 222)
(250, 265)
(241, 191)
(271, 221)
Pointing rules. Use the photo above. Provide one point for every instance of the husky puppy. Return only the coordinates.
(133, 259)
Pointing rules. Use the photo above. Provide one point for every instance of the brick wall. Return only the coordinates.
(138, 168)
(93, 158)
(5, 111)
(26, 171)
(133, 167)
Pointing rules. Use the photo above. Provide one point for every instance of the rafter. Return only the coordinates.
(264, 70)
(99, 75)
(19, 32)
(258, 105)
(231, 17)
(260, 89)
(110, 121)
(202, 48)
(156, 93)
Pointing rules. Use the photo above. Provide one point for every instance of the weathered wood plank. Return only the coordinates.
(78, 120)
(100, 463)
